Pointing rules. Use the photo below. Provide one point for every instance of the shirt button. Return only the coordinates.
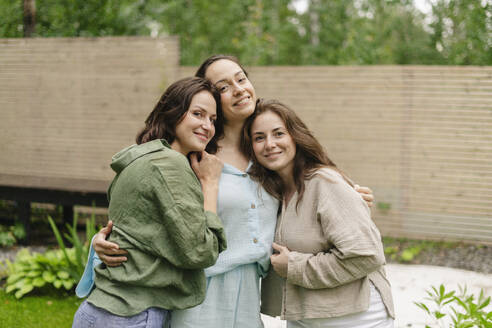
(255, 240)
(253, 206)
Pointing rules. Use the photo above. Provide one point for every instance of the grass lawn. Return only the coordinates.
(41, 311)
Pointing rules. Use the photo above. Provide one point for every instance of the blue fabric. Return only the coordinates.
(233, 292)
(86, 283)
(249, 215)
(232, 301)
(90, 316)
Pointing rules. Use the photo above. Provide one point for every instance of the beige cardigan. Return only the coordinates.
(336, 250)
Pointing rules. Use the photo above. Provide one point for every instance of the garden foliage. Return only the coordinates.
(274, 32)
(457, 310)
(58, 268)
(9, 236)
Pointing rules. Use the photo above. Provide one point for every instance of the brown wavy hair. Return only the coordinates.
(171, 108)
(310, 155)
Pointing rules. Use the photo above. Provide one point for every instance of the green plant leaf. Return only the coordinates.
(68, 284)
(439, 315)
(390, 250)
(484, 303)
(18, 294)
(38, 282)
(448, 301)
(48, 276)
(450, 294)
(10, 288)
(422, 306)
(63, 275)
(32, 274)
(14, 277)
(22, 282)
(19, 231)
(57, 283)
(58, 237)
(23, 291)
(407, 255)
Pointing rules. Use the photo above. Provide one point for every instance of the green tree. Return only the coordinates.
(462, 31)
(11, 12)
(271, 32)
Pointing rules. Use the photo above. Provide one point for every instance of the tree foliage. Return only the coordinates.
(272, 32)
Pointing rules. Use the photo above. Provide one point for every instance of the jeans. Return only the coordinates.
(90, 316)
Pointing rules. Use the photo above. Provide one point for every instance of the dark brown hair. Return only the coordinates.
(202, 70)
(310, 155)
(171, 108)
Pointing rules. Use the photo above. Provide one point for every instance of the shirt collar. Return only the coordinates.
(229, 169)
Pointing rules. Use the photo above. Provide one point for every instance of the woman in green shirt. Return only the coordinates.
(164, 213)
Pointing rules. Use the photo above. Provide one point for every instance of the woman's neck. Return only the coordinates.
(232, 135)
(230, 147)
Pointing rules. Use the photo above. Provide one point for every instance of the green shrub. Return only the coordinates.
(459, 308)
(76, 264)
(11, 235)
(31, 271)
(58, 268)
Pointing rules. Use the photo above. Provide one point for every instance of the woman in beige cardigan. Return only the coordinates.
(328, 270)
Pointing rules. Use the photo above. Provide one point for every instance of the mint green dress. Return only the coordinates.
(249, 216)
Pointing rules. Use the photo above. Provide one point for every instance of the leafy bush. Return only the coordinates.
(459, 308)
(404, 250)
(76, 264)
(58, 268)
(11, 235)
(30, 271)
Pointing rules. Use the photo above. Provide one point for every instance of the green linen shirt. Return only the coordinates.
(156, 204)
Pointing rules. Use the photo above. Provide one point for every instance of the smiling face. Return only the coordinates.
(197, 125)
(272, 144)
(237, 94)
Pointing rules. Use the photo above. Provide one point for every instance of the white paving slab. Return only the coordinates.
(409, 283)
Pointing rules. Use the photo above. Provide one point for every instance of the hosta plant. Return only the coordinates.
(35, 270)
(59, 268)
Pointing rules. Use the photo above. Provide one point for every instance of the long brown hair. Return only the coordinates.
(171, 108)
(310, 155)
(202, 70)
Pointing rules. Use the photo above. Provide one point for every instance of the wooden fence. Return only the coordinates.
(419, 136)
(68, 104)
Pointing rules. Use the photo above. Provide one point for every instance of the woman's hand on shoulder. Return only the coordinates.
(366, 194)
(207, 167)
(107, 251)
